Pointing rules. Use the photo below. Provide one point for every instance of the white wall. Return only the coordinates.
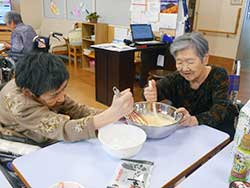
(221, 16)
(212, 14)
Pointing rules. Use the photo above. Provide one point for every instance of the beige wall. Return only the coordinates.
(212, 14)
(221, 16)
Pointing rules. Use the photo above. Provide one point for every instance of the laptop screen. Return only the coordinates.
(141, 32)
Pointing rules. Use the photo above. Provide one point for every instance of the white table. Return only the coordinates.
(214, 173)
(88, 164)
(3, 181)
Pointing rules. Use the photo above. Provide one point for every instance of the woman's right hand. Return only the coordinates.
(122, 105)
(150, 92)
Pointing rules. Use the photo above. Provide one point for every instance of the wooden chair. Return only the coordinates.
(74, 52)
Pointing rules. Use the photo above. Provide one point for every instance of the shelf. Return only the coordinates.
(100, 32)
(90, 56)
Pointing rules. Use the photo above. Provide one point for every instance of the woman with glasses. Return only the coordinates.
(198, 90)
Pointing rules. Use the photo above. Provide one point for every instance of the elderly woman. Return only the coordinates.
(21, 37)
(198, 90)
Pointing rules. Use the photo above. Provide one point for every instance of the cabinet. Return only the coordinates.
(92, 33)
(5, 33)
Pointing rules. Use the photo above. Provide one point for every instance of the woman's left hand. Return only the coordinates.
(187, 119)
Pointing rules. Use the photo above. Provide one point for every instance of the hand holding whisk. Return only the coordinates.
(134, 116)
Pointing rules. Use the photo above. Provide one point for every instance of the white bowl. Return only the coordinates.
(121, 140)
(66, 184)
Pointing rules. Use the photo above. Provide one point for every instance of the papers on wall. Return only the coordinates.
(120, 33)
(138, 5)
(139, 2)
(155, 26)
(168, 21)
(154, 12)
(139, 17)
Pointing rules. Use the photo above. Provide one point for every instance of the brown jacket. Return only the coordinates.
(25, 117)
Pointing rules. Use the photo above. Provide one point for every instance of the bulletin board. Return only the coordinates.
(54, 8)
(77, 9)
(158, 13)
(217, 16)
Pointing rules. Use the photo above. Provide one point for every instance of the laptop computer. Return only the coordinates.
(142, 34)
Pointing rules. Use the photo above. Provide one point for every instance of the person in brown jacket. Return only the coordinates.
(34, 104)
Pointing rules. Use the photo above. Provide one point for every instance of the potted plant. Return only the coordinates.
(93, 17)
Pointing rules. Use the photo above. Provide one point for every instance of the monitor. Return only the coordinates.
(141, 32)
(5, 6)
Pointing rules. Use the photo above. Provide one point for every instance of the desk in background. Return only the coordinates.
(116, 68)
(214, 173)
(173, 157)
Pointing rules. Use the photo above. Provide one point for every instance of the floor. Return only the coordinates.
(81, 87)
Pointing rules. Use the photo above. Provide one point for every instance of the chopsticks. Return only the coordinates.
(134, 116)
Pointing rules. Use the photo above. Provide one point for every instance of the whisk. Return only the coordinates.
(134, 116)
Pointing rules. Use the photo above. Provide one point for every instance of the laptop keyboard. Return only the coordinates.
(149, 42)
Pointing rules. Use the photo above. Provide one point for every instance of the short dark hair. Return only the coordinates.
(40, 73)
(13, 16)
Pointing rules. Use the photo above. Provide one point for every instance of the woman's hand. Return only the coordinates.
(187, 119)
(122, 105)
(150, 92)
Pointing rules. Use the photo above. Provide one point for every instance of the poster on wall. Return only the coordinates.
(169, 6)
(54, 8)
(168, 14)
(78, 9)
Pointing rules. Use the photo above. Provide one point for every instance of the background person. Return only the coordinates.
(199, 90)
(21, 36)
(34, 104)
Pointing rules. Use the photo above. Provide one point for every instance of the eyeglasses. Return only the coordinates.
(182, 65)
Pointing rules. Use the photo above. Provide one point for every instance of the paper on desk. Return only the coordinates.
(160, 60)
(113, 47)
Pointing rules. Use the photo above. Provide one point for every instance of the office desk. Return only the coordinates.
(116, 68)
(113, 68)
(3, 181)
(87, 163)
(214, 173)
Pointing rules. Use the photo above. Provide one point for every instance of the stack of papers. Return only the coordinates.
(113, 47)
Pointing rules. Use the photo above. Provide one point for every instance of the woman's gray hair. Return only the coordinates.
(13, 16)
(192, 40)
